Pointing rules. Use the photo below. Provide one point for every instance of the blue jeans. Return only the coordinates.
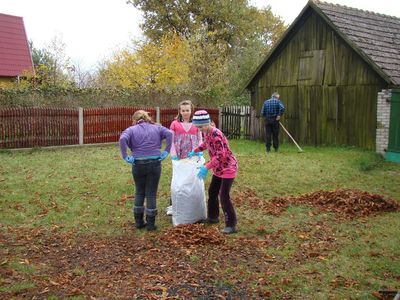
(146, 174)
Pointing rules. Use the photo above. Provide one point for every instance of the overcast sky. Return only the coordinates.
(93, 29)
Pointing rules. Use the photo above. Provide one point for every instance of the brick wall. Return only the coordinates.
(383, 121)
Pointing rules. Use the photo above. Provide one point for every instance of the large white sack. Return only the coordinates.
(187, 191)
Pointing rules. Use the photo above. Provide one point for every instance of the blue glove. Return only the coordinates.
(164, 155)
(202, 172)
(191, 154)
(199, 154)
(130, 159)
(175, 157)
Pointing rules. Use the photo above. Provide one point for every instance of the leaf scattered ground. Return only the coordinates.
(183, 262)
(345, 203)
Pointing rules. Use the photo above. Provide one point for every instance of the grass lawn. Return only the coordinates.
(66, 230)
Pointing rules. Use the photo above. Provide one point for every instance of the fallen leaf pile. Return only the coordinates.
(187, 235)
(349, 202)
(248, 198)
(345, 203)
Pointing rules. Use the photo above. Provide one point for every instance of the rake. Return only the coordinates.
(300, 150)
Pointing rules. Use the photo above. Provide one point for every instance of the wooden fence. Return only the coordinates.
(104, 125)
(41, 127)
(236, 122)
(33, 127)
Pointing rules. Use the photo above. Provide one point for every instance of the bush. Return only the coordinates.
(96, 97)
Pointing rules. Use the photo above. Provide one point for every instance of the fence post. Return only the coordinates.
(158, 115)
(252, 123)
(220, 118)
(80, 125)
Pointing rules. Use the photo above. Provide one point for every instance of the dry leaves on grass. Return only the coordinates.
(187, 235)
(174, 265)
(345, 203)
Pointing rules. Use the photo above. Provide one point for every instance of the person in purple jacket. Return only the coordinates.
(144, 139)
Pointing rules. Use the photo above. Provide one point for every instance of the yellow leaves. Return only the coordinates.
(158, 65)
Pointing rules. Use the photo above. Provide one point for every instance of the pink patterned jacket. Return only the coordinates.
(185, 138)
(222, 161)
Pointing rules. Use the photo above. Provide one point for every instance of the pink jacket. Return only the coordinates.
(222, 161)
(185, 138)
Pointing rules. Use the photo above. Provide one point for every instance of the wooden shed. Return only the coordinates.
(329, 67)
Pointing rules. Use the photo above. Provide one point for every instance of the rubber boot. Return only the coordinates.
(212, 221)
(151, 220)
(229, 230)
(139, 222)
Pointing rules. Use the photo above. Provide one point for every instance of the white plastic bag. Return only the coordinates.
(187, 191)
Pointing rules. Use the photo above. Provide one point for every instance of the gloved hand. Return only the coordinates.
(130, 159)
(192, 153)
(202, 172)
(175, 157)
(164, 155)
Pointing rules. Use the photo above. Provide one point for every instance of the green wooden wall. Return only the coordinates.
(393, 151)
(329, 92)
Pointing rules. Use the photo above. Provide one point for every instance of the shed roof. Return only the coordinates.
(15, 56)
(376, 37)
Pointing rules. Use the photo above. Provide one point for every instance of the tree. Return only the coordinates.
(228, 21)
(150, 66)
(61, 67)
(227, 38)
(83, 78)
(52, 66)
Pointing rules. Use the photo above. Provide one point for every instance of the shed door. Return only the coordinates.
(394, 129)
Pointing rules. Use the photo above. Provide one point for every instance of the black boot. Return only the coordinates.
(212, 221)
(139, 222)
(151, 220)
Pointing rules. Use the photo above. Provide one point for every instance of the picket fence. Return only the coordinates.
(29, 127)
(236, 122)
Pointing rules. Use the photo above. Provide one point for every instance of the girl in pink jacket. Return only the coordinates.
(185, 136)
(224, 166)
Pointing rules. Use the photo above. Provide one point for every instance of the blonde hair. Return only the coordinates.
(142, 115)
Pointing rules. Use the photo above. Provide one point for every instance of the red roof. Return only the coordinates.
(15, 56)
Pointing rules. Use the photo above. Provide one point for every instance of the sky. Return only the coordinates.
(93, 29)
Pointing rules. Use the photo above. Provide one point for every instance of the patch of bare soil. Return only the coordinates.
(345, 203)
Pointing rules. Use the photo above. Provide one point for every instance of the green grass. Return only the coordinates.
(89, 190)
(17, 287)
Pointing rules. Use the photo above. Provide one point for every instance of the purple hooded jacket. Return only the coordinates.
(144, 139)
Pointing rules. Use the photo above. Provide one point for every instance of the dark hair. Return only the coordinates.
(185, 102)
